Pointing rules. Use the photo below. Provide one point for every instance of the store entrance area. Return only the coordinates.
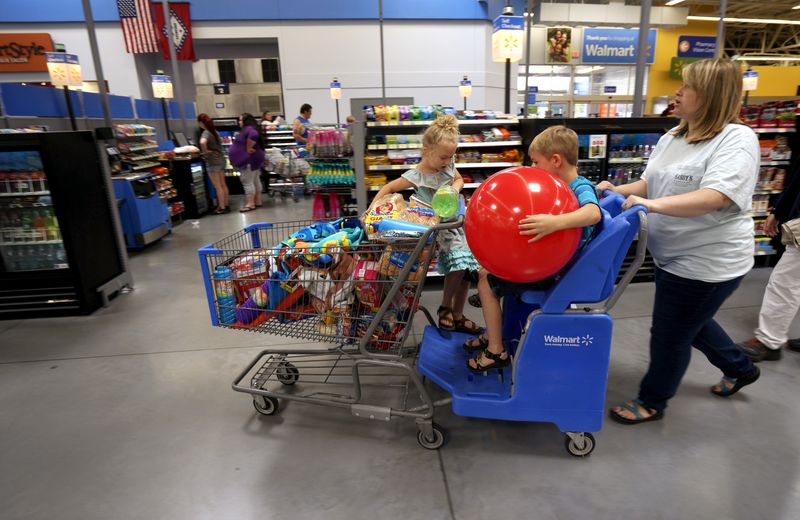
(129, 414)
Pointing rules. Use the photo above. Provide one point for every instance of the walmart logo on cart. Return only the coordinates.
(568, 341)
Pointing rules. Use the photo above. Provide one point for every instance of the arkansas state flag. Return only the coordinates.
(181, 30)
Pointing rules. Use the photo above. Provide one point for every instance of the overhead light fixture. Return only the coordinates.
(766, 21)
(796, 7)
(674, 2)
(767, 58)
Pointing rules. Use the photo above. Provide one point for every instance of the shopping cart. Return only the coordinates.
(285, 174)
(324, 282)
(559, 339)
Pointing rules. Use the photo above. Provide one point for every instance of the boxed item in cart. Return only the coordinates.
(369, 290)
(393, 261)
(249, 272)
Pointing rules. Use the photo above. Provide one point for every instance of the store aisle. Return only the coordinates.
(129, 413)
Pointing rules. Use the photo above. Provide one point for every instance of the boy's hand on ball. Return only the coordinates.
(538, 225)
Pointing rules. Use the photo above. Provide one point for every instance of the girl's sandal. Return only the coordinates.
(467, 326)
(477, 343)
(498, 361)
(446, 316)
(633, 408)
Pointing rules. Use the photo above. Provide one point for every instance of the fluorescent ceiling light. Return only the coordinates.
(744, 20)
(796, 7)
(673, 2)
(767, 58)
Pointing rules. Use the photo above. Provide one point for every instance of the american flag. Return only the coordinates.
(137, 26)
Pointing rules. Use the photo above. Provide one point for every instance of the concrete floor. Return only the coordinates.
(129, 413)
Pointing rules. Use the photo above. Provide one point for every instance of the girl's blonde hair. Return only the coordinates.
(443, 128)
(718, 83)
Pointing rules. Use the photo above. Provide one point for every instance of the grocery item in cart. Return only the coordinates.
(393, 261)
(389, 206)
(368, 289)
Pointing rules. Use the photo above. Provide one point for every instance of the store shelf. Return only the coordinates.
(416, 146)
(775, 163)
(162, 176)
(282, 137)
(590, 160)
(140, 148)
(32, 243)
(276, 132)
(145, 166)
(764, 253)
(427, 123)
(26, 194)
(631, 160)
(758, 214)
(133, 136)
(142, 158)
(774, 130)
(166, 188)
(487, 165)
(393, 146)
(766, 192)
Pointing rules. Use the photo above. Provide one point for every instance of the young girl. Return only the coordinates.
(455, 261)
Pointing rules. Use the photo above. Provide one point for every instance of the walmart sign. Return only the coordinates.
(615, 45)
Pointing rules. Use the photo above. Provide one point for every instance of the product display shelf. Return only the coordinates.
(136, 152)
(774, 130)
(485, 144)
(279, 139)
(461, 122)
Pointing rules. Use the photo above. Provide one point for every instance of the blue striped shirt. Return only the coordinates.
(586, 194)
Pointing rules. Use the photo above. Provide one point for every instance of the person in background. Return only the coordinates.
(782, 295)
(266, 121)
(697, 188)
(301, 125)
(247, 155)
(211, 147)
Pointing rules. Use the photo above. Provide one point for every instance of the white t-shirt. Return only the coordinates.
(718, 246)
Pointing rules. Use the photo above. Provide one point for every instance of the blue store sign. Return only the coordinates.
(615, 45)
(697, 46)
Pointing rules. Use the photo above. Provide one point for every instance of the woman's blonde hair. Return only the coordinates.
(718, 83)
(443, 128)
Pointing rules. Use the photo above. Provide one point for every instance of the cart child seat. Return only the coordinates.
(560, 338)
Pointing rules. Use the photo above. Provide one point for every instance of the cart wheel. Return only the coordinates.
(271, 194)
(435, 442)
(265, 405)
(287, 373)
(574, 449)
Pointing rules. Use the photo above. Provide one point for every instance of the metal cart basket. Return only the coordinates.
(326, 283)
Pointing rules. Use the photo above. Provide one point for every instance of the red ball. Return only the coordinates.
(492, 224)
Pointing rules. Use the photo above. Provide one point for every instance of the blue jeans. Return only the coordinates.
(683, 317)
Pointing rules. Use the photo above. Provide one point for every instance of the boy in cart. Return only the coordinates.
(555, 150)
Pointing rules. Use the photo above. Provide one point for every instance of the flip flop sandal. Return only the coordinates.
(446, 314)
(738, 383)
(461, 326)
(246, 209)
(499, 361)
(633, 407)
(483, 342)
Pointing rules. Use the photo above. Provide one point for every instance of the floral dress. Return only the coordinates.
(454, 253)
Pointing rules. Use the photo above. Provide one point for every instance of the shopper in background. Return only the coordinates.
(301, 126)
(211, 146)
(266, 121)
(697, 188)
(782, 295)
(247, 155)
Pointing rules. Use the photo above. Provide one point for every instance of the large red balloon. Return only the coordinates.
(492, 224)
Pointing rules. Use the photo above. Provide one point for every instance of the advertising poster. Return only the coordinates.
(559, 43)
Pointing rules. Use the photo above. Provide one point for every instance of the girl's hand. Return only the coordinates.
(603, 186)
(538, 225)
(634, 200)
(771, 226)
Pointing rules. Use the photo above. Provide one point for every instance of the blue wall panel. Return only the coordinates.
(174, 110)
(121, 107)
(209, 10)
(190, 113)
(27, 100)
(149, 109)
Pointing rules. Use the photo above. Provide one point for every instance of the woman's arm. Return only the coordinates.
(638, 188)
(204, 145)
(693, 204)
(396, 185)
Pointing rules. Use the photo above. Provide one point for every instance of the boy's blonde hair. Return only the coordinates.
(718, 83)
(443, 128)
(557, 139)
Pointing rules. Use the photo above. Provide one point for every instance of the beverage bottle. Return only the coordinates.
(49, 256)
(223, 287)
(61, 255)
(38, 225)
(51, 223)
(27, 225)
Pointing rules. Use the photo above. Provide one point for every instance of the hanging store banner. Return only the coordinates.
(697, 46)
(507, 32)
(64, 69)
(615, 45)
(559, 44)
(181, 25)
(677, 64)
(24, 52)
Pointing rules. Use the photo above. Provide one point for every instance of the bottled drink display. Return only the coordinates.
(331, 173)
(30, 237)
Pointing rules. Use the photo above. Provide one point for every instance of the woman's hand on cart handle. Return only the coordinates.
(635, 200)
(604, 187)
